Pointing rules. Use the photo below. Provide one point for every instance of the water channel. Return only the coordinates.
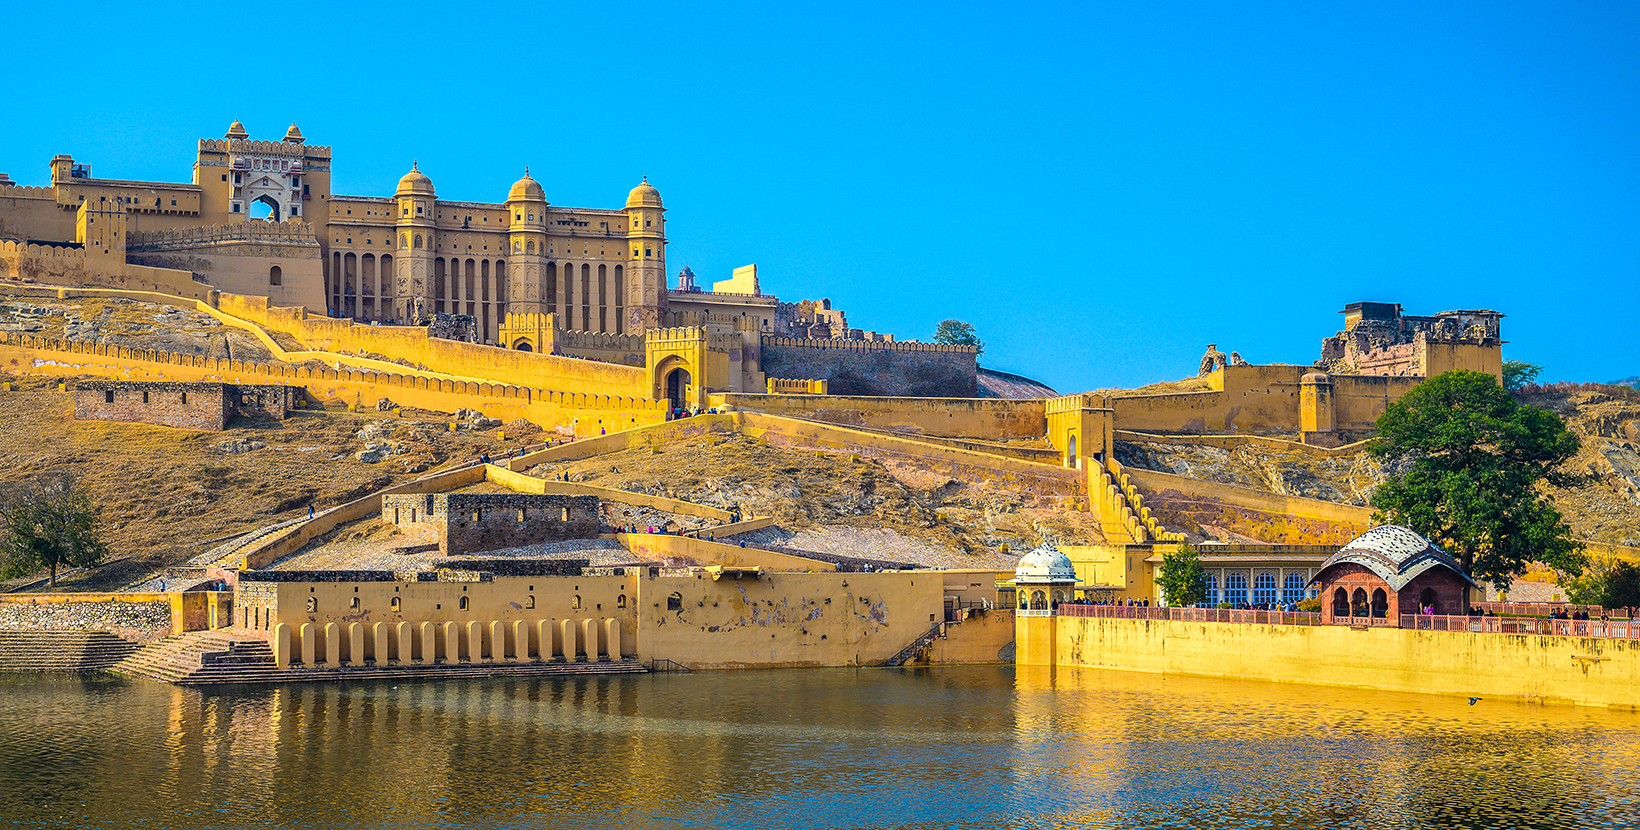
(984, 747)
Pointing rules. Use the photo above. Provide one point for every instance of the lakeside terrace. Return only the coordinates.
(1604, 629)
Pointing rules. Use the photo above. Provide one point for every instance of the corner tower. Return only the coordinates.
(646, 273)
(527, 288)
(415, 226)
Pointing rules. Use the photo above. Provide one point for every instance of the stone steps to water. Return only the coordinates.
(209, 658)
(62, 651)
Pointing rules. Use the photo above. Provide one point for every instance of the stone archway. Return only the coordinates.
(523, 346)
(677, 387)
(272, 204)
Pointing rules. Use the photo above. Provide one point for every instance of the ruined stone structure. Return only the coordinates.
(467, 522)
(1379, 340)
(202, 406)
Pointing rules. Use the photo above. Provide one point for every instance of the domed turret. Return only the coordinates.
(644, 195)
(237, 130)
(293, 135)
(415, 182)
(1045, 564)
(526, 190)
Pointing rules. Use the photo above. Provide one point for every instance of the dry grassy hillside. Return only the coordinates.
(163, 491)
(805, 489)
(1603, 505)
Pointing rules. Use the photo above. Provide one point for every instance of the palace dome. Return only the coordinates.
(293, 135)
(237, 130)
(415, 182)
(1045, 564)
(526, 190)
(644, 195)
(1394, 554)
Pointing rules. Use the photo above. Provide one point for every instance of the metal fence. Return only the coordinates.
(1535, 609)
(1223, 615)
(1611, 629)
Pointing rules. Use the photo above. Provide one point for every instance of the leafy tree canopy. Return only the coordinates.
(1465, 460)
(1518, 373)
(1609, 583)
(958, 333)
(1184, 581)
(48, 523)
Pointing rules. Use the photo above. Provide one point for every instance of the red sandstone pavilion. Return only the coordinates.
(1389, 573)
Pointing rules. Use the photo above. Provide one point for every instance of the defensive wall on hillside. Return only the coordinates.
(62, 265)
(949, 417)
(865, 367)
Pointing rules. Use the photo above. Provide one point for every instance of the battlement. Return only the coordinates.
(865, 345)
(13, 249)
(22, 191)
(250, 146)
(675, 334)
(284, 233)
(1076, 403)
(597, 340)
(740, 322)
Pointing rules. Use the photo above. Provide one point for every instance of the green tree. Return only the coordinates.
(1608, 583)
(48, 523)
(1518, 373)
(956, 332)
(1466, 459)
(1184, 581)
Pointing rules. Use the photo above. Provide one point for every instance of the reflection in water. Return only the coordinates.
(964, 747)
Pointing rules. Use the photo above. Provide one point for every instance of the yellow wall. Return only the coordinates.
(1498, 666)
(787, 620)
(649, 546)
(986, 637)
(1272, 517)
(955, 417)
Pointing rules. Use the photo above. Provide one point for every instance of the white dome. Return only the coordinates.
(1045, 564)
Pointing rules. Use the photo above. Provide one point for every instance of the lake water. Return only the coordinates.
(933, 748)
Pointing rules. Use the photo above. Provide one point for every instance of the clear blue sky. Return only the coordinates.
(1101, 189)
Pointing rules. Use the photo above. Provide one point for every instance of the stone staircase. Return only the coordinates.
(917, 646)
(208, 658)
(61, 651)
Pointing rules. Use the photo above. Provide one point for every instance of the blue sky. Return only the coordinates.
(1101, 189)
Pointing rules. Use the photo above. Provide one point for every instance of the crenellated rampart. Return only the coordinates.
(291, 234)
(874, 367)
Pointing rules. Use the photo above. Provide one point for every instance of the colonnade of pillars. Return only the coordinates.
(331, 645)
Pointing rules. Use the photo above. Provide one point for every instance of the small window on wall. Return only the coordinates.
(184, 397)
(529, 601)
(463, 604)
(674, 602)
(235, 207)
(620, 601)
(575, 602)
(145, 396)
(276, 276)
(396, 604)
(108, 397)
(354, 604)
(313, 604)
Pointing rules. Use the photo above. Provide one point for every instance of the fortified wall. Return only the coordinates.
(467, 522)
(865, 367)
(278, 260)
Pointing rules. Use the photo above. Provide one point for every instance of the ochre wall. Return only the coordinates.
(985, 637)
(786, 620)
(953, 417)
(1272, 517)
(648, 546)
(1498, 666)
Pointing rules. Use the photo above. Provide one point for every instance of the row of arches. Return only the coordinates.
(1359, 603)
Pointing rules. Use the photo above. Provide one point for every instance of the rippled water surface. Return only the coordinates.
(959, 748)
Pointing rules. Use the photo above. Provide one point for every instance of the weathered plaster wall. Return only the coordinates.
(1499, 666)
(860, 367)
(951, 417)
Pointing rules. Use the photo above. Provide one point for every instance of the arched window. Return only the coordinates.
(516, 243)
(1380, 603)
(418, 241)
(276, 276)
(313, 604)
(1039, 600)
(1264, 589)
(1292, 588)
(529, 601)
(404, 238)
(530, 247)
(353, 604)
(396, 605)
(575, 602)
(1235, 589)
(462, 604)
(1212, 596)
(620, 601)
(674, 602)
(1358, 603)
(1427, 599)
(1341, 603)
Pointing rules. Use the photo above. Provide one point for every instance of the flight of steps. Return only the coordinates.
(206, 658)
(61, 651)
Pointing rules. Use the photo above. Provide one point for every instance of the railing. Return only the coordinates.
(916, 646)
(1535, 609)
(1222, 615)
(1608, 629)
(1362, 622)
(664, 666)
(1036, 612)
